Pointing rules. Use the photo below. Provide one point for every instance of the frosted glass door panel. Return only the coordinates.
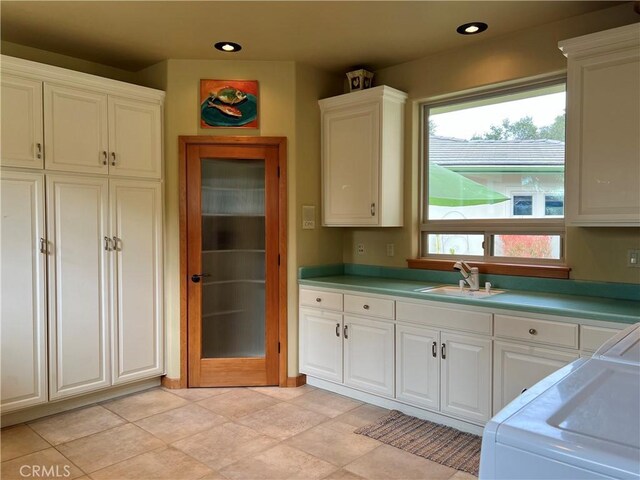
(233, 258)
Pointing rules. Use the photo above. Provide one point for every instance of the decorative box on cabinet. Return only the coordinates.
(603, 121)
(362, 158)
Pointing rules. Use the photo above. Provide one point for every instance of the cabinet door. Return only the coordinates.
(321, 344)
(603, 141)
(518, 367)
(350, 164)
(76, 130)
(418, 366)
(368, 355)
(21, 143)
(134, 138)
(466, 376)
(22, 292)
(77, 224)
(136, 295)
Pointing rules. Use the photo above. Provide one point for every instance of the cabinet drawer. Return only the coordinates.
(538, 331)
(321, 299)
(591, 338)
(369, 306)
(447, 318)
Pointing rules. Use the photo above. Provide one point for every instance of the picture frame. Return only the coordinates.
(229, 103)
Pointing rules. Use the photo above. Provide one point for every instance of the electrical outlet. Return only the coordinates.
(633, 258)
(360, 249)
(391, 249)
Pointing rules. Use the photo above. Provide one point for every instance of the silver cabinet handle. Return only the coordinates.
(104, 157)
(337, 329)
(523, 390)
(318, 299)
(38, 150)
(107, 244)
(373, 209)
(366, 307)
(117, 244)
(113, 159)
(443, 351)
(434, 349)
(533, 331)
(43, 246)
(346, 332)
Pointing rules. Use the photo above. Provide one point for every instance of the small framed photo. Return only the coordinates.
(229, 103)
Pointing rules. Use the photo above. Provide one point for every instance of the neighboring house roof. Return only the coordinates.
(451, 152)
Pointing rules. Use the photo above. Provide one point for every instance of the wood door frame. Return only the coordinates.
(238, 141)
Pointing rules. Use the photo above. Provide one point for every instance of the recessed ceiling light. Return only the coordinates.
(228, 46)
(472, 28)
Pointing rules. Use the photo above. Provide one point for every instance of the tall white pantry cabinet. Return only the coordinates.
(81, 234)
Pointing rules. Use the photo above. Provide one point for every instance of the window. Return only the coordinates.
(493, 186)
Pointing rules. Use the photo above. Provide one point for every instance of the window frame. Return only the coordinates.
(487, 227)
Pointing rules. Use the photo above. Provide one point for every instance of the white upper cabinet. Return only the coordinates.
(362, 158)
(603, 128)
(22, 138)
(76, 136)
(134, 138)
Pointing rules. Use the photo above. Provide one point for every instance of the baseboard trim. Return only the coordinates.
(298, 381)
(171, 383)
(51, 408)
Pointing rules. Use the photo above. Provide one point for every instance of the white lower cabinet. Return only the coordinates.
(321, 344)
(368, 355)
(23, 331)
(518, 367)
(418, 366)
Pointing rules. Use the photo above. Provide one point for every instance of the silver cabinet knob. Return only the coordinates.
(366, 307)
(318, 299)
(533, 331)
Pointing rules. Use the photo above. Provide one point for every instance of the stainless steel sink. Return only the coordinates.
(453, 291)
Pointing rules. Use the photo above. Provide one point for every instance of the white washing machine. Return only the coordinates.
(582, 422)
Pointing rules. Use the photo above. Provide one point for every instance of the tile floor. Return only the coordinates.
(215, 433)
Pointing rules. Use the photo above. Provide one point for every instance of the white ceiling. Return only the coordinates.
(333, 35)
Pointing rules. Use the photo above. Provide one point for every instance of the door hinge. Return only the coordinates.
(278, 347)
(278, 171)
(278, 259)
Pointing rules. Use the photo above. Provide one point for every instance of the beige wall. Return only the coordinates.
(594, 254)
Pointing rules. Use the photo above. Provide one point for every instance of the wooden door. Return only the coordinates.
(136, 293)
(466, 376)
(233, 264)
(418, 366)
(22, 292)
(22, 135)
(321, 344)
(80, 252)
(76, 133)
(134, 138)
(368, 355)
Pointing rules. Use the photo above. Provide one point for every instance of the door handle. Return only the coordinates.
(337, 329)
(434, 349)
(113, 159)
(373, 209)
(107, 244)
(443, 350)
(39, 150)
(346, 332)
(104, 157)
(43, 246)
(116, 242)
(195, 278)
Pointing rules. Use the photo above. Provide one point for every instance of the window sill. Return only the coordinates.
(516, 269)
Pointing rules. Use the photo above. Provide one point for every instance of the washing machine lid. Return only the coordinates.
(624, 347)
(589, 419)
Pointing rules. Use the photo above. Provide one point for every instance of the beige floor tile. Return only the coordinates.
(195, 394)
(284, 393)
(343, 474)
(102, 449)
(166, 463)
(47, 463)
(68, 426)
(327, 403)
(362, 415)
(283, 420)
(280, 462)
(329, 443)
(237, 403)
(18, 441)
(144, 404)
(463, 476)
(390, 463)
(224, 444)
(180, 422)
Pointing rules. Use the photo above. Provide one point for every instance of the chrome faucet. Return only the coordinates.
(469, 274)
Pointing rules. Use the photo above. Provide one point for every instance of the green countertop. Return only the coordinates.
(587, 307)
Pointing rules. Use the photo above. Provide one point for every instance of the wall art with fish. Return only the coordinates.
(229, 103)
